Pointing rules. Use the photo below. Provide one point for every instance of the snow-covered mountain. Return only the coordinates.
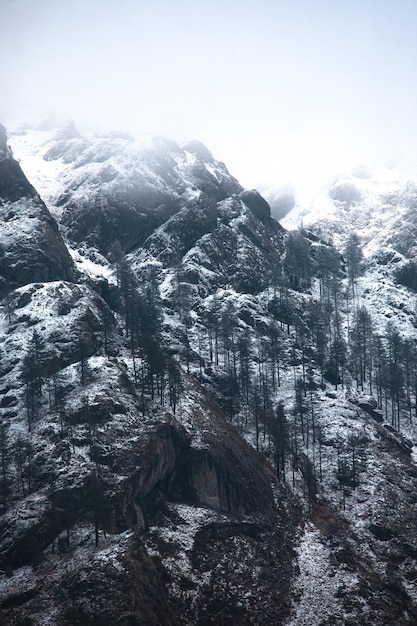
(377, 203)
(380, 206)
(205, 418)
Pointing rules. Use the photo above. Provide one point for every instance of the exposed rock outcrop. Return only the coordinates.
(3, 141)
(118, 189)
(31, 247)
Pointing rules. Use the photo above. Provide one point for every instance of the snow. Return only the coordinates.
(19, 581)
(28, 148)
(92, 264)
(94, 166)
(180, 535)
(18, 222)
(318, 585)
(373, 209)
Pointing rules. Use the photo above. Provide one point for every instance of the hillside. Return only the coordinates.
(205, 418)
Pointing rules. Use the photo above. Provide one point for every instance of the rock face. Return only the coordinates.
(31, 247)
(171, 449)
(3, 141)
(13, 183)
(119, 189)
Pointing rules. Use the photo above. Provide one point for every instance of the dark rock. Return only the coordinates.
(32, 248)
(406, 275)
(135, 201)
(257, 204)
(8, 401)
(128, 220)
(132, 595)
(18, 599)
(13, 183)
(3, 141)
(199, 149)
(368, 408)
(24, 532)
(381, 533)
(183, 231)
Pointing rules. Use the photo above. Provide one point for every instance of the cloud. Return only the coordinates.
(278, 90)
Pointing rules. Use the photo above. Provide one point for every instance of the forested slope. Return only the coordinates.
(205, 418)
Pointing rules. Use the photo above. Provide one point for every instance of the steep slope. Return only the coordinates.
(116, 187)
(187, 436)
(31, 247)
(379, 206)
(84, 446)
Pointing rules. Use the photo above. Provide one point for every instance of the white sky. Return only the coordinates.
(280, 90)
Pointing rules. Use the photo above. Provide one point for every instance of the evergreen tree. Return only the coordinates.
(175, 385)
(380, 360)
(100, 507)
(116, 257)
(300, 408)
(4, 465)
(361, 344)
(31, 373)
(394, 376)
(353, 257)
(23, 455)
(318, 320)
(280, 433)
(297, 264)
(245, 364)
(328, 266)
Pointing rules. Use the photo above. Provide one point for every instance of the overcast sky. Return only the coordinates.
(280, 90)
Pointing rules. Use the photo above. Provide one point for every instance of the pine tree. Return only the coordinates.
(84, 366)
(394, 376)
(31, 374)
(300, 408)
(175, 385)
(328, 266)
(100, 507)
(280, 431)
(297, 262)
(361, 333)
(4, 465)
(354, 257)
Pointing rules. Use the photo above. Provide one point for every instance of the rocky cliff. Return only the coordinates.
(32, 248)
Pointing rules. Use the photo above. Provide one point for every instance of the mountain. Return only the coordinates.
(205, 418)
(380, 207)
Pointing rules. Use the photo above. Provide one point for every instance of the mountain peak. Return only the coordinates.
(199, 149)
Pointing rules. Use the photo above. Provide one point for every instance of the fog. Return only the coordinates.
(282, 91)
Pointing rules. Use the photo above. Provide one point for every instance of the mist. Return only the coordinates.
(285, 93)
